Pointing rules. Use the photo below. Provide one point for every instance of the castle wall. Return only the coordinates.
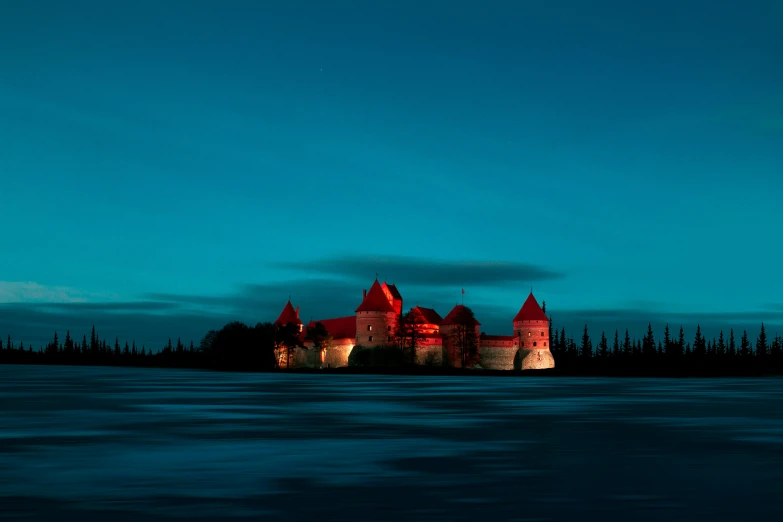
(382, 324)
(535, 359)
(429, 352)
(498, 354)
(335, 355)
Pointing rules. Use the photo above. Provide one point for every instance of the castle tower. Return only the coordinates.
(290, 315)
(447, 331)
(376, 317)
(393, 295)
(531, 325)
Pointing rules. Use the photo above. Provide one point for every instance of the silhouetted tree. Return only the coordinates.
(587, 345)
(616, 345)
(603, 347)
(319, 336)
(627, 346)
(761, 343)
(464, 336)
(732, 345)
(744, 344)
(648, 348)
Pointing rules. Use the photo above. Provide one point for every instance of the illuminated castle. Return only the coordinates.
(377, 317)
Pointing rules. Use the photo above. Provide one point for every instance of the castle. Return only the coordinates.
(376, 319)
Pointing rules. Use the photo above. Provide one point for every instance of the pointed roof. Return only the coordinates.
(451, 318)
(530, 311)
(376, 300)
(394, 292)
(288, 315)
(429, 315)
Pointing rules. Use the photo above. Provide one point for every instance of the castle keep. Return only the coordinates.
(375, 323)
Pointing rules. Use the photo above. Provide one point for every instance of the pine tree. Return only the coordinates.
(126, 351)
(688, 350)
(117, 346)
(648, 346)
(761, 343)
(721, 345)
(744, 344)
(143, 352)
(168, 348)
(667, 341)
(192, 348)
(681, 342)
(180, 347)
(616, 345)
(660, 349)
(627, 346)
(134, 352)
(732, 345)
(587, 345)
(775, 349)
(699, 348)
(603, 347)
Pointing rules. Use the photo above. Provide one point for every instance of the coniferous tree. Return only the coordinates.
(68, 344)
(117, 346)
(648, 345)
(744, 344)
(732, 349)
(699, 346)
(168, 349)
(133, 351)
(616, 345)
(688, 350)
(603, 347)
(51, 349)
(126, 351)
(627, 346)
(761, 343)
(143, 351)
(191, 349)
(721, 349)
(587, 345)
(681, 343)
(775, 350)
(667, 341)
(8, 344)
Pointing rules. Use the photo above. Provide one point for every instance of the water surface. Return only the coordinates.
(132, 444)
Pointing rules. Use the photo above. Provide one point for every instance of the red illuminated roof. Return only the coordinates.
(394, 292)
(530, 311)
(376, 300)
(451, 318)
(430, 316)
(338, 328)
(288, 315)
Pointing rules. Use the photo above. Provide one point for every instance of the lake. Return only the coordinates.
(145, 444)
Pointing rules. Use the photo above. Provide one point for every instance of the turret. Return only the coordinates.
(531, 325)
(448, 329)
(376, 317)
(290, 315)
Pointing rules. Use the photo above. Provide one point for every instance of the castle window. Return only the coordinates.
(369, 328)
(542, 334)
(388, 328)
(535, 343)
(529, 334)
(371, 338)
(544, 344)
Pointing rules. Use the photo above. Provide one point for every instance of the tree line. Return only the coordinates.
(267, 346)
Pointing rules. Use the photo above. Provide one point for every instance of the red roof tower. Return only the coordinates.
(289, 315)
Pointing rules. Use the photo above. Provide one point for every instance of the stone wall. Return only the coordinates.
(534, 360)
(429, 354)
(335, 355)
(382, 328)
(497, 355)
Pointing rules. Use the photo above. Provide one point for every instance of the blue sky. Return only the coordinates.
(165, 166)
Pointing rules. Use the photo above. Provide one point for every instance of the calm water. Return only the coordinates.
(129, 444)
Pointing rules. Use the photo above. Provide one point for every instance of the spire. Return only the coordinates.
(530, 310)
(375, 300)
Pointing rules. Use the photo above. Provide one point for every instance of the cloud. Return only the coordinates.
(31, 292)
(425, 272)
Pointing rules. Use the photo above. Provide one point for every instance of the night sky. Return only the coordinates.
(166, 167)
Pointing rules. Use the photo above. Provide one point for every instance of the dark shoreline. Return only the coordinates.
(738, 372)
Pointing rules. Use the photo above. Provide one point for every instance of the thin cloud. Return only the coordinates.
(32, 292)
(426, 272)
